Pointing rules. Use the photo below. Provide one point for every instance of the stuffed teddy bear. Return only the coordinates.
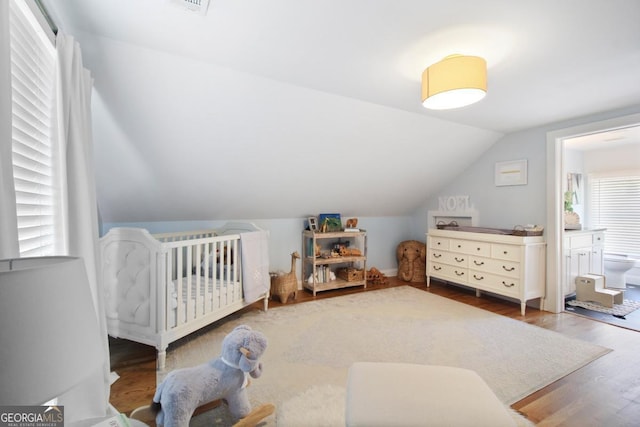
(225, 377)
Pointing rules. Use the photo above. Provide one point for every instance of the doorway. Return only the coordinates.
(556, 176)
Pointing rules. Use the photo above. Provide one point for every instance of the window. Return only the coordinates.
(615, 205)
(33, 72)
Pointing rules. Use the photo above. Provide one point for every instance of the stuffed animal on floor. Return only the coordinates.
(225, 377)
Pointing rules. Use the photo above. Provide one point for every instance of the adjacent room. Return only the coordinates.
(320, 213)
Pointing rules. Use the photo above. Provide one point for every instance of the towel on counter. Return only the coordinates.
(255, 264)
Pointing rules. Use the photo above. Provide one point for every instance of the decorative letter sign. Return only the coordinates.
(454, 203)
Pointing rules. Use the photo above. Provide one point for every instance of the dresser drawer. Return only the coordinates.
(495, 266)
(493, 283)
(508, 252)
(449, 258)
(439, 243)
(470, 247)
(456, 274)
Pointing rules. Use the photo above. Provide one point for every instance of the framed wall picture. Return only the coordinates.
(513, 172)
(329, 222)
(313, 223)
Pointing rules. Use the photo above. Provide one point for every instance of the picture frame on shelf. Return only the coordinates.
(313, 223)
(330, 222)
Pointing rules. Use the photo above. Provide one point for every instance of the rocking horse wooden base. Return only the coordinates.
(147, 416)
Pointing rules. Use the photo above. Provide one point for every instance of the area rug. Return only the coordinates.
(619, 310)
(312, 345)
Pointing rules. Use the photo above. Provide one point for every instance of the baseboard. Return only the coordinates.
(391, 272)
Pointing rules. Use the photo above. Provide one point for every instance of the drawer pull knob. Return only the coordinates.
(459, 259)
(459, 273)
(508, 285)
(478, 263)
(478, 278)
(505, 252)
(508, 269)
(436, 268)
(437, 255)
(438, 243)
(477, 249)
(459, 246)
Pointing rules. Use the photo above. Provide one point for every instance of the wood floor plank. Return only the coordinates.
(605, 392)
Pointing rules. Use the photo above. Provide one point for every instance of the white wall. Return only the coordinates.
(506, 207)
(285, 237)
(624, 157)
(502, 207)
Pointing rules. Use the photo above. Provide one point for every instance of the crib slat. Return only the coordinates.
(227, 270)
(179, 288)
(167, 291)
(201, 285)
(216, 274)
(206, 277)
(237, 274)
(188, 284)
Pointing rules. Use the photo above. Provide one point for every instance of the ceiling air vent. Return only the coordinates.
(199, 6)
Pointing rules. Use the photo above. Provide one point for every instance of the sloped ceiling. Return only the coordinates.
(285, 108)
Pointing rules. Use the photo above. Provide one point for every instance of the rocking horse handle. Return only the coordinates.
(245, 352)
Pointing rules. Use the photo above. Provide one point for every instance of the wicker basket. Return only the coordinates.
(350, 274)
(284, 286)
(441, 225)
(519, 230)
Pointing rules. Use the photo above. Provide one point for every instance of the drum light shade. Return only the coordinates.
(454, 82)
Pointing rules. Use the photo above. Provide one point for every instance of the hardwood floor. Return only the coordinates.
(605, 392)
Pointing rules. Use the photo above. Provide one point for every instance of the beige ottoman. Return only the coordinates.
(402, 394)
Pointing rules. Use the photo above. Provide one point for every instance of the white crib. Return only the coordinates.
(160, 288)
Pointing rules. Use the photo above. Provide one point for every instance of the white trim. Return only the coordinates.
(432, 216)
(40, 20)
(555, 161)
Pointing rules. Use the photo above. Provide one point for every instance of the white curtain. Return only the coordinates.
(91, 399)
(8, 218)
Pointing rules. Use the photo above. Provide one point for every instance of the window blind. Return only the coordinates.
(615, 204)
(33, 71)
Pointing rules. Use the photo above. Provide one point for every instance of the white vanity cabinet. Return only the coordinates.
(513, 266)
(583, 254)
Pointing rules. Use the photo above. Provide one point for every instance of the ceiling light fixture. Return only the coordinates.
(454, 82)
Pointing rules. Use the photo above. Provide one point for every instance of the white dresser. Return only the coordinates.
(513, 266)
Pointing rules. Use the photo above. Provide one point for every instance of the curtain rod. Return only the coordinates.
(47, 17)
